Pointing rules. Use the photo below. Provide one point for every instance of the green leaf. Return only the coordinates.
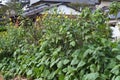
(60, 64)
(93, 68)
(75, 79)
(1, 65)
(70, 69)
(72, 43)
(103, 77)
(67, 77)
(29, 72)
(115, 70)
(113, 78)
(87, 37)
(115, 49)
(43, 45)
(117, 78)
(51, 76)
(88, 51)
(54, 62)
(112, 63)
(61, 77)
(118, 57)
(76, 53)
(74, 61)
(65, 70)
(45, 73)
(66, 61)
(39, 79)
(57, 50)
(81, 64)
(92, 76)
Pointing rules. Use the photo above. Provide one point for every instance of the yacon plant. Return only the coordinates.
(77, 48)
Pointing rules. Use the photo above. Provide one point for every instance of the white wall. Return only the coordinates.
(62, 9)
(33, 1)
(116, 31)
(4, 1)
(104, 3)
(73, 1)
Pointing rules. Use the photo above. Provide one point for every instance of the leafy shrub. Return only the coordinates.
(10, 41)
(15, 37)
(115, 8)
(2, 29)
(77, 48)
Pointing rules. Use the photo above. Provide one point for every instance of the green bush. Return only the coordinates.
(65, 48)
(14, 37)
(115, 8)
(2, 29)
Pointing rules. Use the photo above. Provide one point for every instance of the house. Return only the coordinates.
(38, 7)
(24, 1)
(89, 2)
(67, 7)
(4, 2)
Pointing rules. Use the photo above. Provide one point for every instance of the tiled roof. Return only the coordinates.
(44, 5)
(38, 9)
(76, 1)
(91, 2)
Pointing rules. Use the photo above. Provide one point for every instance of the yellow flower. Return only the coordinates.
(58, 16)
(0, 49)
(10, 19)
(11, 23)
(4, 17)
(44, 16)
(38, 19)
(66, 17)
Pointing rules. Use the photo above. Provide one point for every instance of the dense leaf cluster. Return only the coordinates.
(115, 8)
(65, 48)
